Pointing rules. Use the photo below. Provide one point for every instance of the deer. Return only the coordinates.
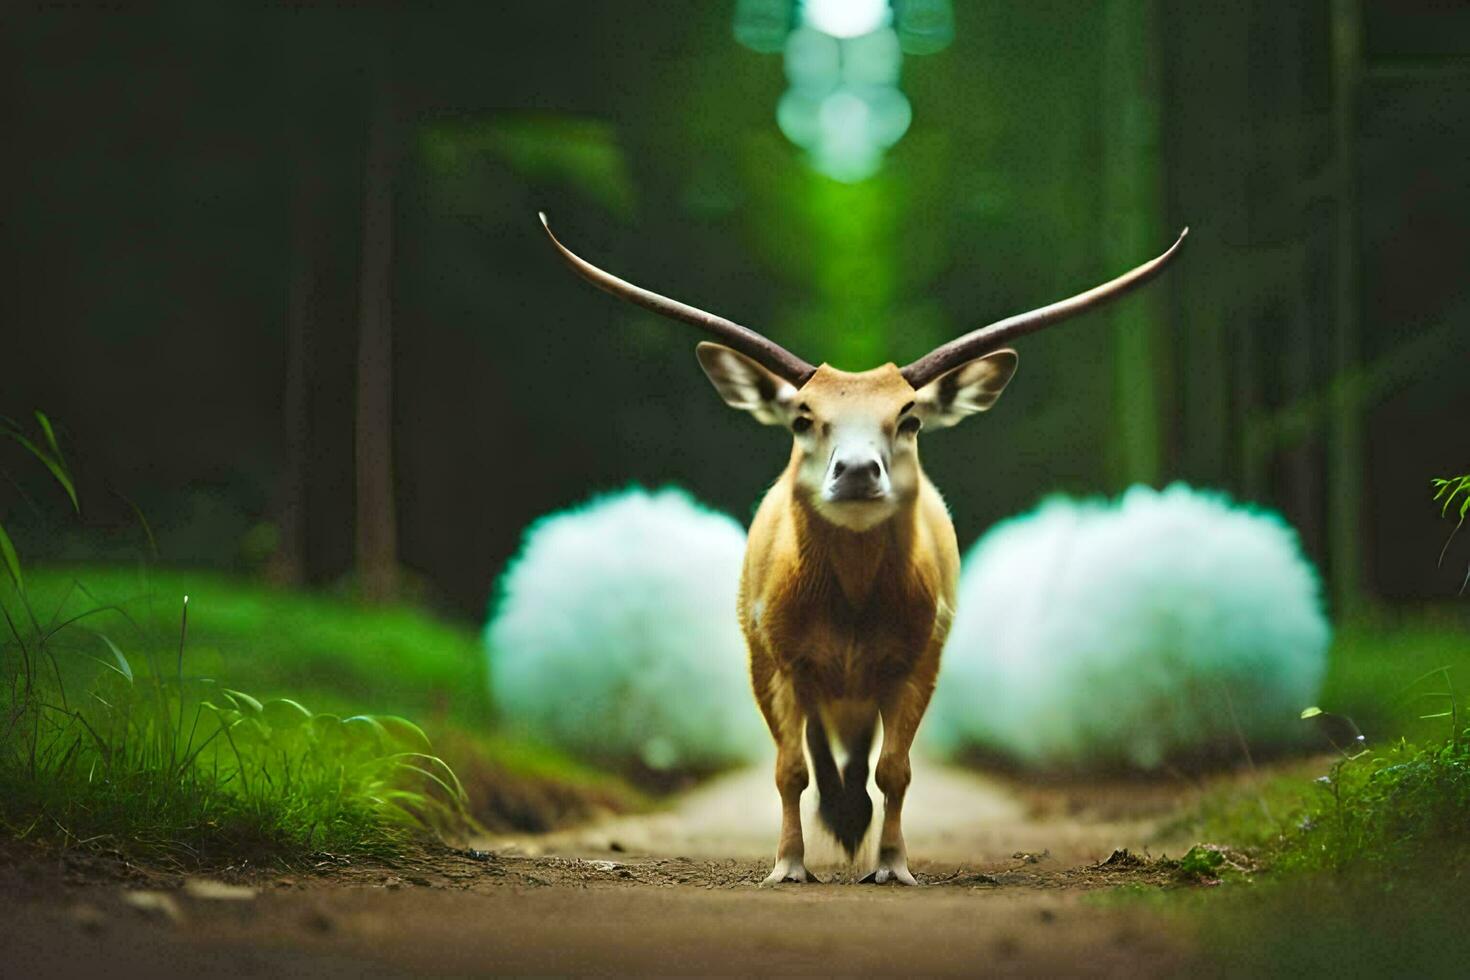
(848, 585)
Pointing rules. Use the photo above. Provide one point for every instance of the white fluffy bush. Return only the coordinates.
(614, 634)
(1165, 625)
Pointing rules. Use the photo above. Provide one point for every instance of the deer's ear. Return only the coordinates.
(746, 385)
(972, 387)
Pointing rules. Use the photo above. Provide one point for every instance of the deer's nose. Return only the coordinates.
(869, 469)
(856, 477)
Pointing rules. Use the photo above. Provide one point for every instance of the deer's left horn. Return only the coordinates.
(1002, 332)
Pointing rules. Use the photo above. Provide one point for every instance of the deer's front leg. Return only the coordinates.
(787, 722)
(901, 711)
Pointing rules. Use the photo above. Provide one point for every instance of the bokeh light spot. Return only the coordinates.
(846, 18)
(843, 61)
(813, 60)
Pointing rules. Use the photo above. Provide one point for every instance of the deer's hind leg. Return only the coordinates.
(787, 722)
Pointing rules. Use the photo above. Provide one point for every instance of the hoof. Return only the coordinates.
(792, 872)
(883, 874)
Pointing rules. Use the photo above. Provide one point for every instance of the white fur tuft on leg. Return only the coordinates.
(893, 865)
(790, 870)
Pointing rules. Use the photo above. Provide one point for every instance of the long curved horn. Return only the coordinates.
(743, 339)
(1002, 332)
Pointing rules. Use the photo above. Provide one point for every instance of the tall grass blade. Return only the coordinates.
(50, 434)
(123, 667)
(142, 521)
(57, 468)
(11, 559)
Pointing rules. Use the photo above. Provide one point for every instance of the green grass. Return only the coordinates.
(279, 643)
(1403, 792)
(1386, 673)
(115, 735)
(1453, 496)
(1361, 859)
(123, 743)
(1370, 813)
(110, 738)
(1367, 870)
(1391, 678)
(329, 651)
(220, 783)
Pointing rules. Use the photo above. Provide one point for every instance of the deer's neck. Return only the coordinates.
(855, 560)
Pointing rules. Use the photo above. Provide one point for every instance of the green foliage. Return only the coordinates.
(1253, 817)
(135, 754)
(1449, 490)
(138, 755)
(1368, 866)
(1446, 492)
(12, 560)
(1202, 862)
(50, 457)
(329, 652)
(1373, 811)
(1376, 847)
(397, 659)
(1389, 672)
(1385, 808)
(1399, 790)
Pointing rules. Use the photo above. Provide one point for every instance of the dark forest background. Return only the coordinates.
(276, 271)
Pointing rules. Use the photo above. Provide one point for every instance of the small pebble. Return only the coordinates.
(159, 904)
(217, 891)
(89, 918)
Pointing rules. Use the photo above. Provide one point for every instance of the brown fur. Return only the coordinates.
(846, 626)
(846, 614)
(846, 598)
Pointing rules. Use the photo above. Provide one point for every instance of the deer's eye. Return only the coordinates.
(909, 425)
(801, 424)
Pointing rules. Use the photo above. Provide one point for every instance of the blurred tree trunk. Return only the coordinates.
(1268, 348)
(1283, 42)
(288, 563)
(1345, 446)
(1207, 173)
(1132, 195)
(377, 518)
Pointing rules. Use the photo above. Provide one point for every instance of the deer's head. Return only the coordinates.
(855, 436)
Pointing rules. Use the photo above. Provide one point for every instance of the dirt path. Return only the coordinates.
(1007, 878)
(952, 817)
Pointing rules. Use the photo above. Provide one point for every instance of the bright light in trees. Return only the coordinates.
(845, 18)
(844, 59)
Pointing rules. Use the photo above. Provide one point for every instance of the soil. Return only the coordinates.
(504, 801)
(1008, 882)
